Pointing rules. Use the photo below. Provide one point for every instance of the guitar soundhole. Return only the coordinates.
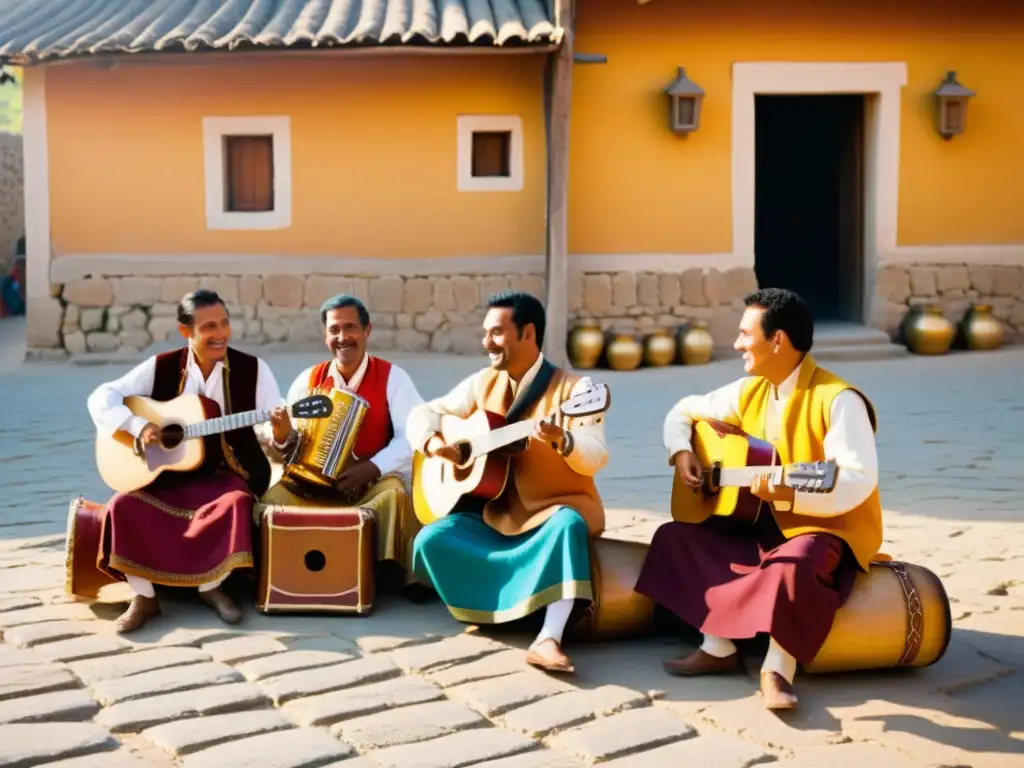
(315, 560)
(172, 435)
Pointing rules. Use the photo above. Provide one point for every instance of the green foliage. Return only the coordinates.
(10, 103)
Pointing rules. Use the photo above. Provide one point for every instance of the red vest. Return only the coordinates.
(376, 431)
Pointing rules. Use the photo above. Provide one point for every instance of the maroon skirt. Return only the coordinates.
(182, 530)
(735, 582)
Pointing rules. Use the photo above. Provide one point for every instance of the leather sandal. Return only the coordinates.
(225, 607)
(778, 692)
(702, 663)
(548, 655)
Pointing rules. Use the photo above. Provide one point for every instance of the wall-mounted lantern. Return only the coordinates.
(684, 101)
(951, 106)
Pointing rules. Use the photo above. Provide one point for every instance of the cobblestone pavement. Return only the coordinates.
(408, 687)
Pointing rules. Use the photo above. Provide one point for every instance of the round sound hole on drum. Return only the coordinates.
(315, 560)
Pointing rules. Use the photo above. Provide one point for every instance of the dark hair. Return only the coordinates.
(340, 301)
(197, 300)
(526, 310)
(784, 311)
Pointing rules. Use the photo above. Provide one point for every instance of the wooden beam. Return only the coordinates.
(557, 102)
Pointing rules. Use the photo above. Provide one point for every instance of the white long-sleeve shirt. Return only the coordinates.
(108, 411)
(850, 441)
(396, 456)
(587, 457)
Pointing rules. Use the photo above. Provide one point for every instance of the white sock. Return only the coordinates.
(212, 585)
(140, 586)
(718, 647)
(778, 660)
(555, 618)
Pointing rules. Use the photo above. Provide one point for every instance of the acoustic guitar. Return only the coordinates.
(180, 422)
(438, 485)
(731, 459)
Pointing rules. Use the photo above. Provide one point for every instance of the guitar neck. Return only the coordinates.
(500, 437)
(226, 423)
(743, 477)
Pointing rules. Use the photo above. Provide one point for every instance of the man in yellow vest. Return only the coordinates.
(528, 549)
(788, 574)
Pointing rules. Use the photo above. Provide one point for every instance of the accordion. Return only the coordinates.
(326, 445)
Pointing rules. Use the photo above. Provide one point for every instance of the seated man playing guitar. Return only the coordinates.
(378, 477)
(788, 572)
(527, 547)
(189, 529)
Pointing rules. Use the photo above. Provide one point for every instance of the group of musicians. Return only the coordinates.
(529, 549)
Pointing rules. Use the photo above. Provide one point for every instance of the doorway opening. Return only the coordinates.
(809, 200)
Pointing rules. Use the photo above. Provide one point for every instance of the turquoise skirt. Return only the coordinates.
(485, 577)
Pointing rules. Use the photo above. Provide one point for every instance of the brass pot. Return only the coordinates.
(979, 330)
(926, 331)
(659, 348)
(695, 344)
(586, 343)
(623, 351)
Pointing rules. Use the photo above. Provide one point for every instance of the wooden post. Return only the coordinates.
(557, 103)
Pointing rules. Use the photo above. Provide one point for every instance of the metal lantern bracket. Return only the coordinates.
(685, 99)
(951, 106)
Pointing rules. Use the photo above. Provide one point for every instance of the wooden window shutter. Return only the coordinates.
(250, 173)
(492, 153)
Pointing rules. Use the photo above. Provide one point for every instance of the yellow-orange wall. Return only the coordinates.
(637, 188)
(373, 156)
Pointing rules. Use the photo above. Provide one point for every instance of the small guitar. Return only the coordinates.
(180, 422)
(438, 485)
(731, 459)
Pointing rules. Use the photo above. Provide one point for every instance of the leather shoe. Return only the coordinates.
(702, 663)
(140, 610)
(223, 605)
(777, 691)
(548, 655)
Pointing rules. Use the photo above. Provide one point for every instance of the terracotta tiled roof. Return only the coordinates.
(34, 30)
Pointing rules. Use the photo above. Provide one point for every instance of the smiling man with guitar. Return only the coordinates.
(503, 480)
(187, 529)
(748, 553)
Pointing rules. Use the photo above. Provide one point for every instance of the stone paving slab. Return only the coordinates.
(135, 716)
(163, 681)
(492, 665)
(499, 695)
(539, 758)
(407, 725)
(361, 701)
(297, 748)
(40, 613)
(29, 578)
(183, 737)
(29, 635)
(309, 682)
(455, 750)
(35, 679)
(290, 661)
(624, 733)
(121, 758)
(566, 710)
(23, 745)
(85, 647)
(244, 648)
(127, 664)
(59, 706)
(446, 653)
(13, 657)
(17, 602)
(711, 750)
(849, 756)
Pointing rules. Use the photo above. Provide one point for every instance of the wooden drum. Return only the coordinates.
(618, 611)
(82, 546)
(897, 616)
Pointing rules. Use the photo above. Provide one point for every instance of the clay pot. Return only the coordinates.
(623, 351)
(926, 332)
(586, 343)
(659, 348)
(695, 344)
(979, 330)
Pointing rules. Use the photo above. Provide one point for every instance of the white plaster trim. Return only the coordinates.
(36, 159)
(77, 266)
(466, 126)
(989, 255)
(214, 131)
(882, 139)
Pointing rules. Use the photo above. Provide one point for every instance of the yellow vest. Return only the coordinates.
(804, 423)
(540, 480)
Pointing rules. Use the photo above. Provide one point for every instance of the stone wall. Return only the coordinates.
(953, 288)
(12, 199)
(414, 313)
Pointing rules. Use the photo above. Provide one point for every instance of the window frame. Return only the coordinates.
(467, 125)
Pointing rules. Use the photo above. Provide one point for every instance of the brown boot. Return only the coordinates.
(548, 655)
(702, 663)
(225, 607)
(777, 691)
(140, 610)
